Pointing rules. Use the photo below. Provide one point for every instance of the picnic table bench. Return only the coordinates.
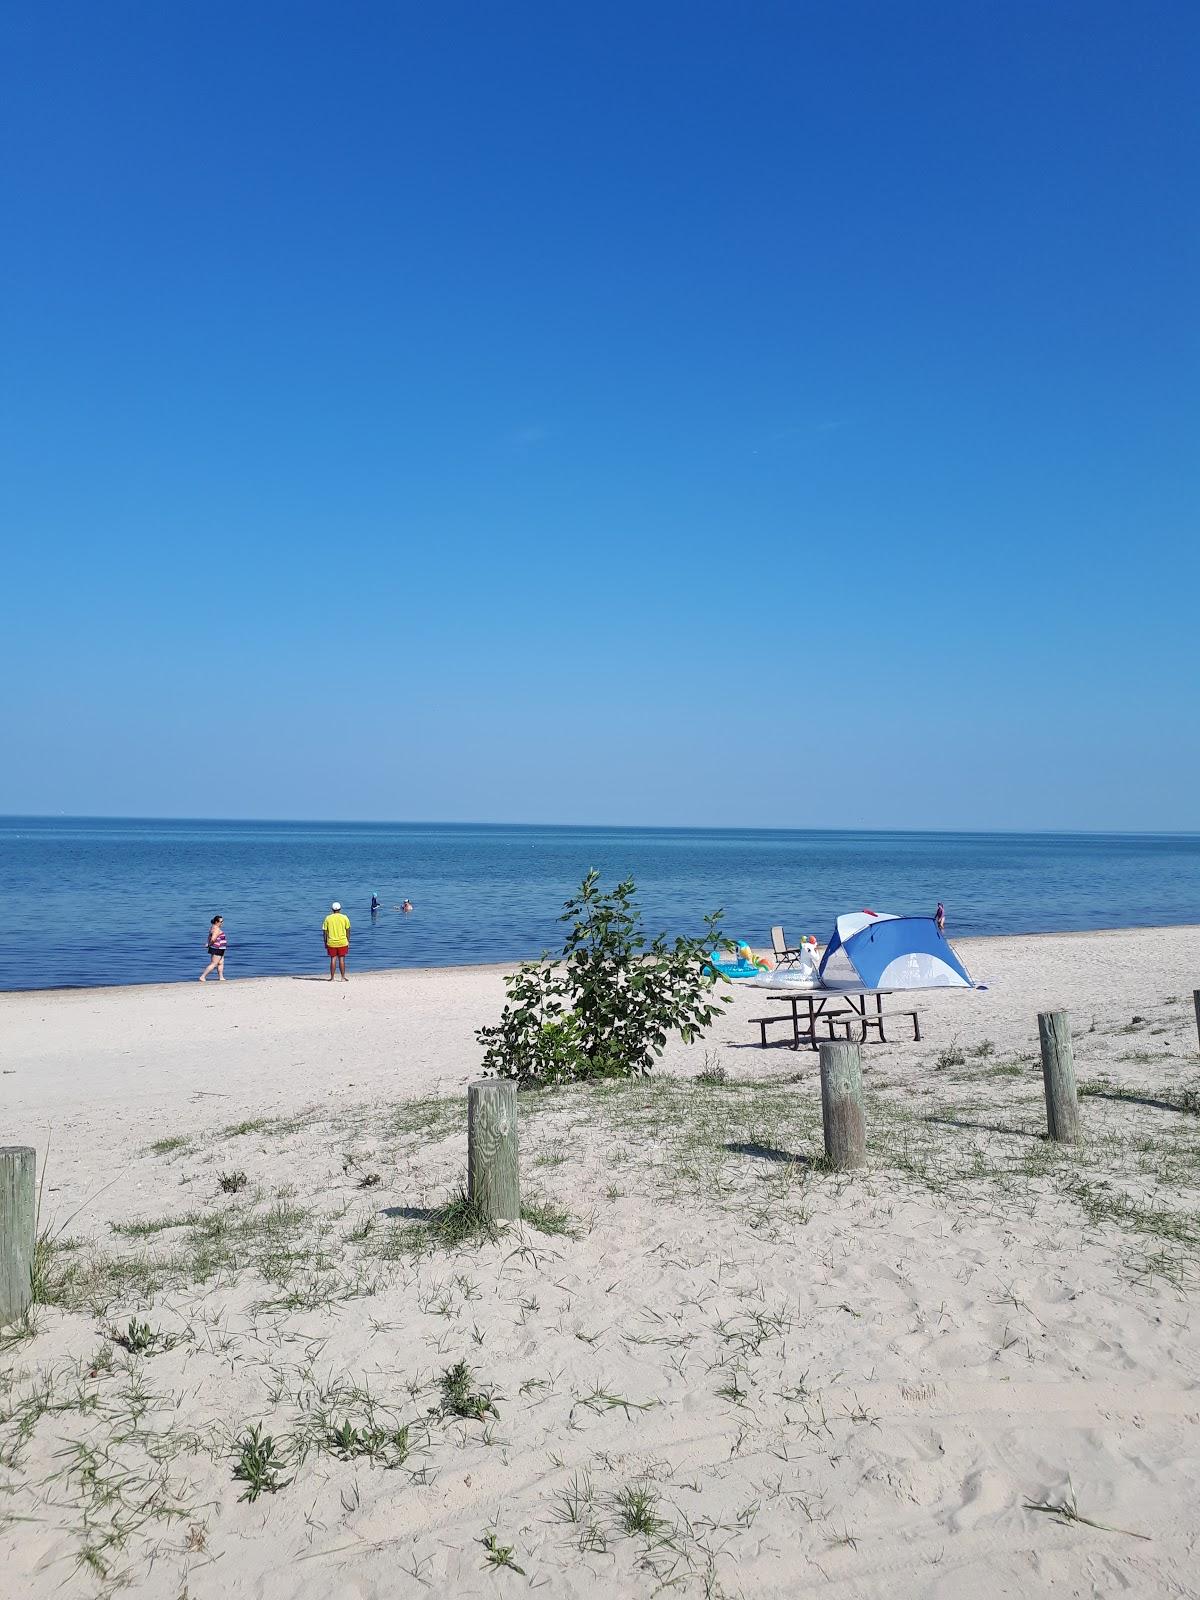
(854, 1013)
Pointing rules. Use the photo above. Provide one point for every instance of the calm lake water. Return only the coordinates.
(111, 901)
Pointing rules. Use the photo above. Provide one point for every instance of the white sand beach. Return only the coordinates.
(708, 1365)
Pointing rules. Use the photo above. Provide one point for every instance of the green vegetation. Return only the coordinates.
(606, 1007)
(258, 1465)
(545, 1216)
(140, 1339)
(1067, 1510)
(388, 1447)
(460, 1400)
(637, 1510)
(254, 1125)
(499, 1555)
(166, 1147)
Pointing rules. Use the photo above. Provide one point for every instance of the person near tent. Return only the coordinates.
(881, 951)
(939, 917)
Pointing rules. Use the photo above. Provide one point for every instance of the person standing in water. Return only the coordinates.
(939, 916)
(336, 929)
(374, 905)
(216, 949)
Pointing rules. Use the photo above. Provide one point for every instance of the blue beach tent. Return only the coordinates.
(886, 952)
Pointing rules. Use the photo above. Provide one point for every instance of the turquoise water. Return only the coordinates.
(111, 901)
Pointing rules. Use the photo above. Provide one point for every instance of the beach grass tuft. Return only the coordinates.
(258, 1464)
(637, 1510)
(1067, 1510)
(459, 1399)
(168, 1146)
(499, 1555)
(140, 1339)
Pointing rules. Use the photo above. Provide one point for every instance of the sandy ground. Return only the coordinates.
(704, 1363)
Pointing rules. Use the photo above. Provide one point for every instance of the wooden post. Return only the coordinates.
(1058, 1075)
(842, 1103)
(18, 1211)
(492, 1178)
(1196, 1001)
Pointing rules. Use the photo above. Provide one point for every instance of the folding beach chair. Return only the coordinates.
(784, 955)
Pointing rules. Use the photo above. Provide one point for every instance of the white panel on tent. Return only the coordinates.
(917, 970)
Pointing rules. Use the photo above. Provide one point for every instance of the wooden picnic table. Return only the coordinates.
(821, 1006)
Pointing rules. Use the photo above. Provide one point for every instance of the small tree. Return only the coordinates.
(607, 1006)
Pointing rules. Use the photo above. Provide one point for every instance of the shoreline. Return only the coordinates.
(516, 961)
(153, 1053)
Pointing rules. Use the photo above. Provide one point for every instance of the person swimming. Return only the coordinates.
(374, 904)
(407, 906)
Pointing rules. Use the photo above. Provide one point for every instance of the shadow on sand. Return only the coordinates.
(984, 1127)
(767, 1152)
(1132, 1099)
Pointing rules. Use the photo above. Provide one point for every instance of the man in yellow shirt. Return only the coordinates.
(336, 929)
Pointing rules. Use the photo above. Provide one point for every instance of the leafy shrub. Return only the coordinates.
(606, 1007)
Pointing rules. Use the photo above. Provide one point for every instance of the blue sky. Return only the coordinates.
(727, 414)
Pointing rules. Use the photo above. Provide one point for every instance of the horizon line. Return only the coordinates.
(632, 827)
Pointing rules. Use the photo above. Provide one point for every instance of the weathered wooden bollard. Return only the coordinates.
(18, 1212)
(842, 1103)
(1196, 1002)
(1058, 1075)
(493, 1183)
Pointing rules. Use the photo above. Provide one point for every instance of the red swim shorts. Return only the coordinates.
(337, 949)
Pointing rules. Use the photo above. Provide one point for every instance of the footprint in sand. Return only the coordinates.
(985, 1494)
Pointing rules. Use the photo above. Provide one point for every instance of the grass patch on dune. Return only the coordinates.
(461, 1224)
(753, 1146)
(756, 1146)
(273, 1127)
(148, 1227)
(170, 1145)
(546, 1216)
(238, 1130)
(284, 1243)
(432, 1118)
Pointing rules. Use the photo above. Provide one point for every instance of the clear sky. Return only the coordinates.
(659, 413)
